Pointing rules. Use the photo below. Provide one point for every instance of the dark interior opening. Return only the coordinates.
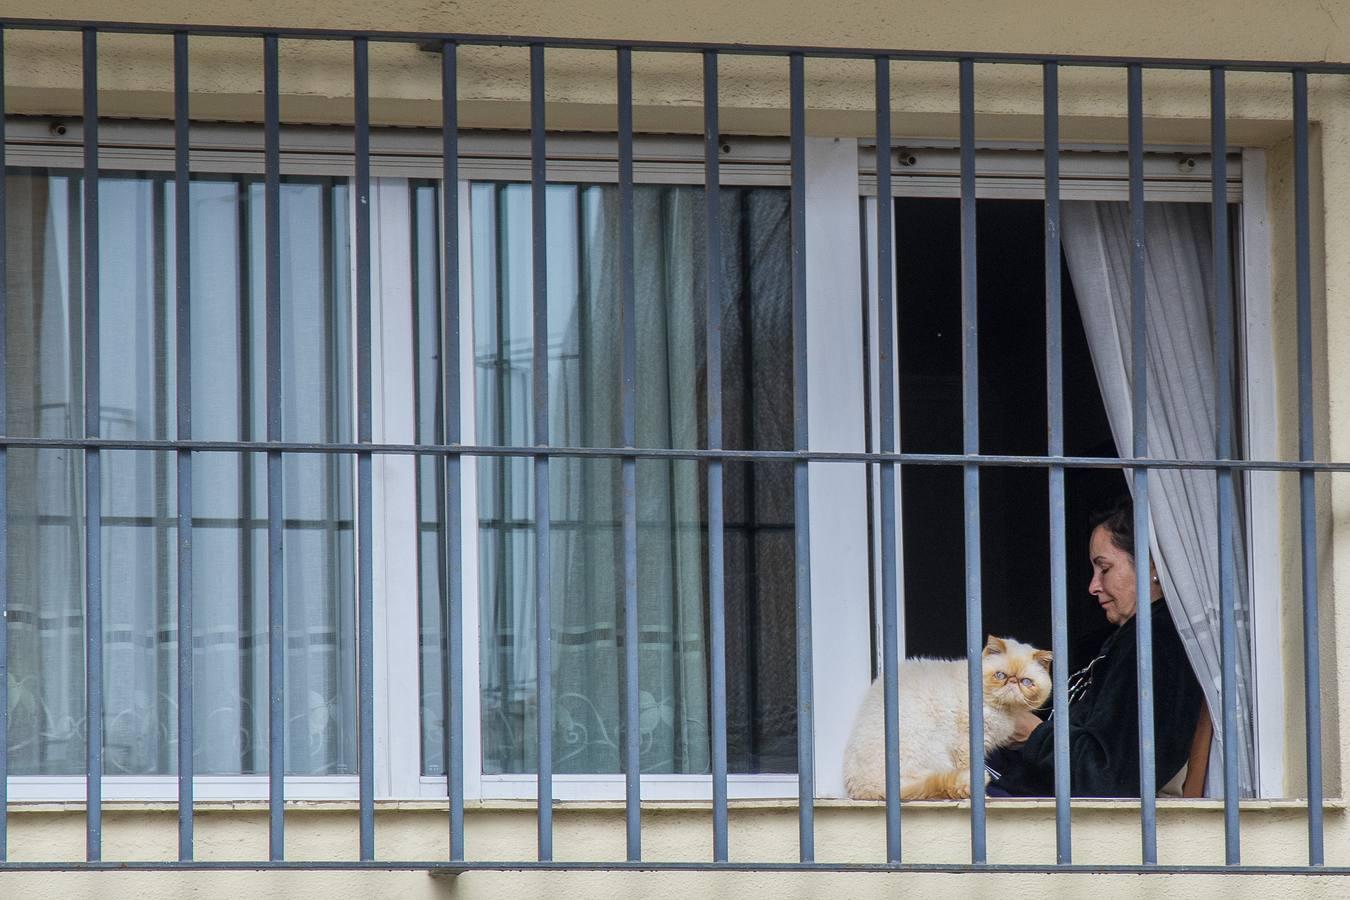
(1014, 502)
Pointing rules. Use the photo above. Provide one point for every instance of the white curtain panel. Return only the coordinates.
(586, 495)
(44, 397)
(1183, 505)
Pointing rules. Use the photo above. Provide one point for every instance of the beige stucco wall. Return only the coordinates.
(43, 78)
(1019, 831)
(661, 886)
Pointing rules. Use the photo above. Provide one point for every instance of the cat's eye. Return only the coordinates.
(1001, 676)
(1026, 682)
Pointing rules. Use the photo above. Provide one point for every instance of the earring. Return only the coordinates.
(1155, 579)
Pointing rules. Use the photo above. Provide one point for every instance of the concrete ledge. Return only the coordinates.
(994, 805)
(655, 885)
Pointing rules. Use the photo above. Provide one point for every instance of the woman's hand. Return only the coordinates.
(1025, 723)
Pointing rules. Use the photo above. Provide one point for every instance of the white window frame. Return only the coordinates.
(841, 629)
(1257, 334)
(840, 612)
(838, 173)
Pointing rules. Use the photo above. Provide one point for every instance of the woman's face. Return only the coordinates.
(1112, 577)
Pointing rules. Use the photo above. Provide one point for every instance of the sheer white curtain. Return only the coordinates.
(45, 488)
(586, 495)
(1182, 406)
(586, 498)
(45, 516)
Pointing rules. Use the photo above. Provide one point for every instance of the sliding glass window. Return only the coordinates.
(584, 347)
(137, 374)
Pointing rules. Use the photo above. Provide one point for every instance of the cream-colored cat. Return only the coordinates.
(934, 721)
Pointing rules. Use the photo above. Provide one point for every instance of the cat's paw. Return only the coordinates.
(866, 793)
(961, 785)
(864, 789)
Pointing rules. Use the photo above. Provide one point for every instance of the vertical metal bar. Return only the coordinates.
(1148, 816)
(183, 344)
(93, 504)
(717, 628)
(543, 624)
(1312, 671)
(890, 614)
(4, 485)
(628, 303)
(276, 611)
(454, 614)
(870, 401)
(365, 625)
(806, 749)
(1223, 362)
(1054, 393)
(970, 403)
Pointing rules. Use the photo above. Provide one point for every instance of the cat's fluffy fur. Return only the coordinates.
(934, 729)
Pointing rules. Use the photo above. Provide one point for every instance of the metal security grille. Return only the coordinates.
(453, 452)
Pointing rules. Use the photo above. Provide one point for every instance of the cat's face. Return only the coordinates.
(1016, 675)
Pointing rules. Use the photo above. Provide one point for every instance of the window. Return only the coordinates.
(137, 373)
(587, 545)
(136, 348)
(586, 541)
(1015, 545)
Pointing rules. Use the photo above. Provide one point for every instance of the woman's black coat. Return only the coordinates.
(1104, 722)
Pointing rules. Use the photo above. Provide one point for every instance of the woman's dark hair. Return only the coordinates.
(1118, 519)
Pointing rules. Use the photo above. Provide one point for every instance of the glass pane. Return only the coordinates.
(137, 386)
(585, 498)
(45, 488)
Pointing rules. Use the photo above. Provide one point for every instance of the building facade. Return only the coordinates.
(233, 274)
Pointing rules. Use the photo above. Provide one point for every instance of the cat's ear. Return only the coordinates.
(1043, 657)
(995, 645)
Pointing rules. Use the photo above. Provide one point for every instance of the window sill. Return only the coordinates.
(1108, 803)
(995, 804)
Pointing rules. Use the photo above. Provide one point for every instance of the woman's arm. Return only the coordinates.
(1104, 729)
(1103, 735)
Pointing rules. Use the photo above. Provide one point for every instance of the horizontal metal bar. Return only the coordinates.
(840, 456)
(882, 868)
(452, 869)
(433, 40)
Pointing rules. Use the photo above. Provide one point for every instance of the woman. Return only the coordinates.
(1103, 696)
